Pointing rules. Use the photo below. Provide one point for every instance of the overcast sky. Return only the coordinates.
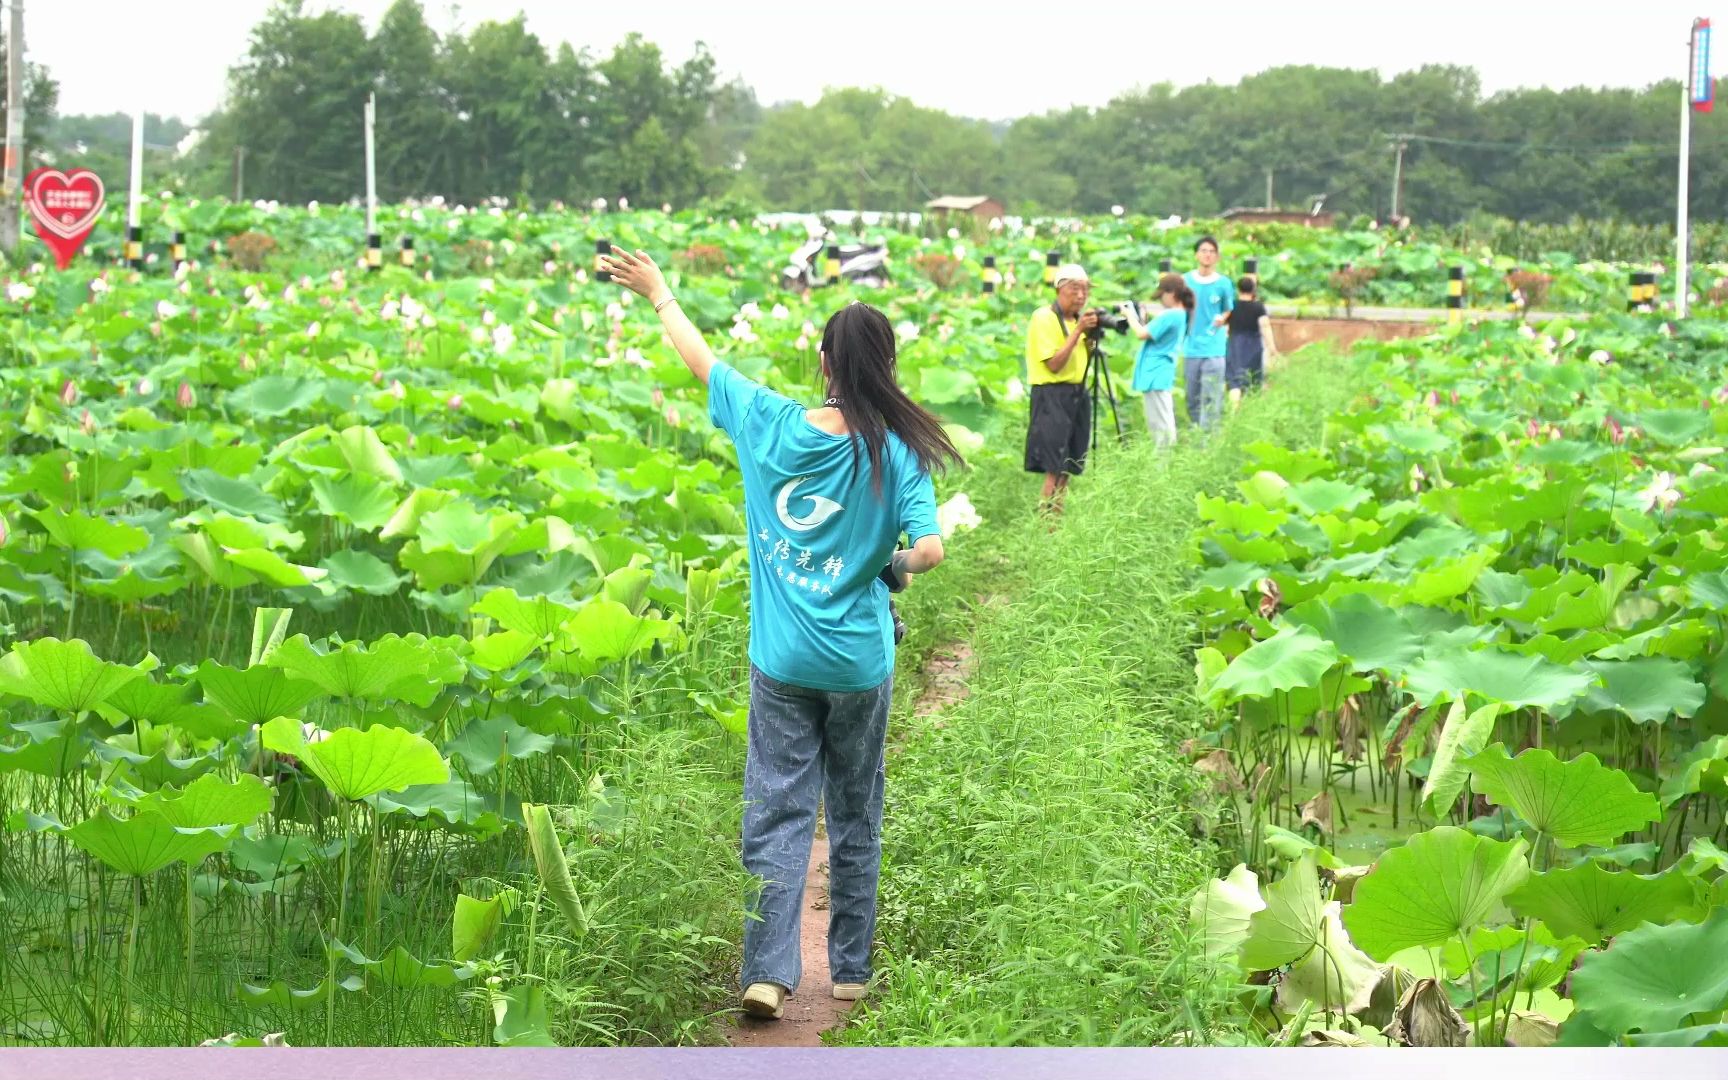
(991, 60)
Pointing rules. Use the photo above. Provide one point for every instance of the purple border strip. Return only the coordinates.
(851, 1064)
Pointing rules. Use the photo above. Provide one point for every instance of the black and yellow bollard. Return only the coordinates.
(1052, 260)
(407, 252)
(1164, 266)
(1251, 268)
(177, 250)
(135, 247)
(601, 247)
(831, 265)
(1649, 290)
(374, 251)
(991, 277)
(1634, 289)
(1454, 294)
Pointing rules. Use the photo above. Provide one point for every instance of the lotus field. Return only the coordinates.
(373, 642)
(1471, 699)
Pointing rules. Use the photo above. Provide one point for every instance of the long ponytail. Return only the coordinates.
(1177, 285)
(858, 345)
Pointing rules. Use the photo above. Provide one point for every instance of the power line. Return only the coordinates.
(1562, 148)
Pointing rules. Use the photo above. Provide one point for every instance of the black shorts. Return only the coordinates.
(1061, 427)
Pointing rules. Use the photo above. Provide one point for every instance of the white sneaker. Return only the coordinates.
(850, 991)
(765, 1000)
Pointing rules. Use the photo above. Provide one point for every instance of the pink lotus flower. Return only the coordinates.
(87, 423)
(397, 390)
(1660, 492)
(1532, 430)
(184, 396)
(453, 402)
(658, 397)
(5, 533)
(69, 394)
(1615, 431)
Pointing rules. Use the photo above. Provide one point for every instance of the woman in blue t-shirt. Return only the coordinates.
(1160, 343)
(827, 494)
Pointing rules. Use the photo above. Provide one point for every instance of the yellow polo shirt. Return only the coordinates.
(1044, 338)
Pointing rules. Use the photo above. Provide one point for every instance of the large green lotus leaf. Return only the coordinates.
(1240, 517)
(539, 616)
(1436, 886)
(1287, 927)
(1419, 441)
(608, 553)
(421, 501)
(403, 970)
(366, 454)
(455, 803)
(1703, 769)
(272, 568)
(1335, 974)
(57, 756)
(274, 395)
(145, 700)
(78, 531)
(242, 498)
(1315, 497)
(1702, 1035)
(1220, 912)
(542, 536)
(1446, 580)
(354, 764)
(1496, 674)
(1435, 543)
(461, 528)
(551, 865)
(476, 922)
(1293, 657)
(1367, 633)
(1674, 427)
(1292, 846)
(279, 995)
(604, 630)
(1464, 734)
(1591, 902)
(146, 842)
(1709, 590)
(361, 571)
(520, 1018)
(363, 501)
(210, 800)
(484, 742)
(1595, 606)
(255, 694)
(1648, 690)
(1574, 802)
(207, 555)
(1652, 978)
(61, 675)
(353, 670)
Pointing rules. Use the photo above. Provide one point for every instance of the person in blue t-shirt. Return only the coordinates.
(1160, 343)
(827, 494)
(1214, 298)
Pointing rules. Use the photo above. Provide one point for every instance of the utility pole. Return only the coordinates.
(1269, 203)
(1400, 144)
(12, 187)
(1696, 93)
(239, 174)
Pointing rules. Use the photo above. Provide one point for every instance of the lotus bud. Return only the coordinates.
(87, 423)
(184, 397)
(69, 394)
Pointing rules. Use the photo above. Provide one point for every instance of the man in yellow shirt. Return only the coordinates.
(1061, 424)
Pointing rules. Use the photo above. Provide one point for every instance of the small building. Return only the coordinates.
(1256, 215)
(982, 206)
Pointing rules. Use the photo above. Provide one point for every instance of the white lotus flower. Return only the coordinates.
(165, 310)
(1660, 492)
(1601, 356)
(314, 330)
(390, 311)
(956, 514)
(487, 317)
(751, 310)
(633, 356)
(742, 331)
(411, 309)
(477, 334)
(1117, 210)
(100, 285)
(18, 292)
(1016, 390)
(959, 251)
(598, 204)
(953, 234)
(615, 311)
(397, 390)
(779, 312)
(906, 329)
(503, 338)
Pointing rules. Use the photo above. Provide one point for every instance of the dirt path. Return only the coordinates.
(812, 1010)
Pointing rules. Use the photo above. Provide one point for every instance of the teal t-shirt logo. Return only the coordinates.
(820, 509)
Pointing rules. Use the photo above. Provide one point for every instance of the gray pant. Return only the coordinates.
(805, 745)
(1161, 417)
(1204, 377)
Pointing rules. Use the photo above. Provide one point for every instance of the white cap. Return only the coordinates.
(1070, 272)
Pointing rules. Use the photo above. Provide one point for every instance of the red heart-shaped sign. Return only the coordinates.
(64, 207)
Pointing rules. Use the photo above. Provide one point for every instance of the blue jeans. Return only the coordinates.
(1204, 389)
(806, 744)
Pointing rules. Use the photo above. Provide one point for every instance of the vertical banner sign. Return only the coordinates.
(1703, 86)
(64, 207)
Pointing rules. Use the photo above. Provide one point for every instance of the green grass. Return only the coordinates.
(1038, 857)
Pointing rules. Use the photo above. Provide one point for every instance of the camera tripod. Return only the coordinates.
(1099, 377)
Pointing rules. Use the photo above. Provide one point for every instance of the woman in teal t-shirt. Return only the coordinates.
(827, 494)
(1160, 343)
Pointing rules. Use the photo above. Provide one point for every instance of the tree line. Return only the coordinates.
(496, 111)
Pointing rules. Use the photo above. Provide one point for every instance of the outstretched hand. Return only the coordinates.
(637, 272)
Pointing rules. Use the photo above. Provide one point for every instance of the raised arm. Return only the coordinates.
(641, 275)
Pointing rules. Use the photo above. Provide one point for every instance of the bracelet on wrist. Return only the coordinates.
(662, 304)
